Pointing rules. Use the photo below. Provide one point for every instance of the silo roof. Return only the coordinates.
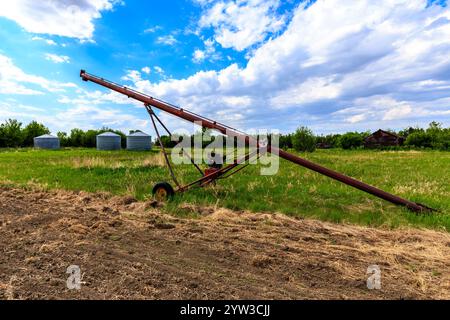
(108, 134)
(139, 134)
(46, 136)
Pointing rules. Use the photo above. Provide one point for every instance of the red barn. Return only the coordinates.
(383, 138)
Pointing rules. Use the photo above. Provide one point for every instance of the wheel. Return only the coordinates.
(163, 191)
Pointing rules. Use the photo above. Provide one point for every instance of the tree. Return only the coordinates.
(285, 141)
(351, 140)
(167, 142)
(76, 138)
(32, 130)
(63, 139)
(304, 140)
(331, 140)
(90, 139)
(2, 137)
(11, 134)
(419, 140)
(406, 132)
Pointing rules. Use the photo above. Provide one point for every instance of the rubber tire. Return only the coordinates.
(163, 187)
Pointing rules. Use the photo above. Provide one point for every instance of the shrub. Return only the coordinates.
(63, 139)
(331, 140)
(419, 140)
(167, 142)
(351, 140)
(32, 130)
(285, 141)
(76, 138)
(90, 139)
(11, 134)
(304, 140)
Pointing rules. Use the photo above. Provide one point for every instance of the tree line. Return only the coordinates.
(303, 139)
(13, 135)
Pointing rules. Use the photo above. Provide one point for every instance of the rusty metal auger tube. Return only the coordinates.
(208, 123)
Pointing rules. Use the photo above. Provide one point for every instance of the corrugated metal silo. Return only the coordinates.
(108, 141)
(47, 141)
(139, 141)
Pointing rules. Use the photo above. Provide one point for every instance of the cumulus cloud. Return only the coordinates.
(338, 65)
(336, 60)
(146, 70)
(152, 29)
(78, 116)
(241, 24)
(132, 75)
(168, 40)
(69, 18)
(50, 42)
(208, 53)
(198, 56)
(57, 58)
(357, 118)
(158, 69)
(14, 80)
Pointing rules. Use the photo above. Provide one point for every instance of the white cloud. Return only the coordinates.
(15, 81)
(69, 18)
(79, 116)
(383, 63)
(57, 58)
(378, 109)
(398, 112)
(311, 90)
(198, 56)
(241, 24)
(208, 53)
(357, 118)
(146, 70)
(97, 97)
(158, 69)
(50, 42)
(338, 66)
(152, 29)
(11, 110)
(132, 75)
(168, 40)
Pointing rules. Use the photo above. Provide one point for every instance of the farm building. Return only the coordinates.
(383, 138)
(109, 141)
(47, 141)
(323, 145)
(139, 141)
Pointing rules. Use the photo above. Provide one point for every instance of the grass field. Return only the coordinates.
(421, 176)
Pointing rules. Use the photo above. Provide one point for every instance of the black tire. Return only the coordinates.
(163, 191)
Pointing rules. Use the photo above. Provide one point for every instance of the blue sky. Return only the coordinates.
(332, 65)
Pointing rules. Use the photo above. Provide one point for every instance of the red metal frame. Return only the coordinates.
(226, 130)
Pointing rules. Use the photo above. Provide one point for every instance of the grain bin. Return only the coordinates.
(108, 141)
(47, 141)
(139, 141)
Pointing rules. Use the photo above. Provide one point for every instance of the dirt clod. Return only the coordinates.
(127, 200)
(261, 261)
(161, 225)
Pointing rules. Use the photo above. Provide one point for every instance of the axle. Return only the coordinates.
(226, 130)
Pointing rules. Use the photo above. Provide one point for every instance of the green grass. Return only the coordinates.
(421, 176)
